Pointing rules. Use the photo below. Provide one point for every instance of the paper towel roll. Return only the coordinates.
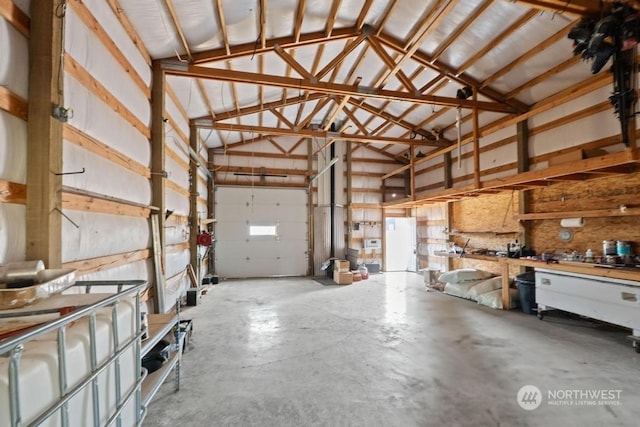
(572, 222)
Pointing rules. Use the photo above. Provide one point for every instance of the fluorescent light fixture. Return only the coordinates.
(324, 169)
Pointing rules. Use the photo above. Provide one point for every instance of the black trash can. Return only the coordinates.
(526, 283)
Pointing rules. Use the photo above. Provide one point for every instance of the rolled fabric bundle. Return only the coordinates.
(23, 270)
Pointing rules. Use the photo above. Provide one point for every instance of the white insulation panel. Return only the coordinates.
(14, 60)
(95, 118)
(84, 46)
(12, 233)
(13, 148)
(100, 235)
(103, 177)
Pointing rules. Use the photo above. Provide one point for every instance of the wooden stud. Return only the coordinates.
(193, 204)
(310, 207)
(98, 30)
(349, 193)
(15, 16)
(476, 143)
(89, 143)
(523, 146)
(90, 203)
(13, 192)
(13, 104)
(118, 11)
(158, 180)
(93, 265)
(44, 202)
(211, 204)
(77, 71)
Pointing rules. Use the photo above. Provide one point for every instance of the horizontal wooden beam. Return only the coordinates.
(396, 172)
(98, 30)
(596, 213)
(573, 7)
(529, 179)
(13, 104)
(103, 150)
(93, 265)
(259, 108)
(85, 203)
(258, 183)
(78, 72)
(13, 192)
(260, 170)
(15, 16)
(332, 88)
(170, 185)
(320, 134)
(249, 49)
(239, 153)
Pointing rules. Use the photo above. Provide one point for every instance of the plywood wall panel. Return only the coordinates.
(605, 193)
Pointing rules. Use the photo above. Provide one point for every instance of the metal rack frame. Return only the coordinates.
(13, 348)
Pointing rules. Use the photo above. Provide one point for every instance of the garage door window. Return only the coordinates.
(262, 230)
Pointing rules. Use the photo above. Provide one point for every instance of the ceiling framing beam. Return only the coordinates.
(573, 7)
(249, 49)
(332, 88)
(316, 134)
(448, 71)
(259, 108)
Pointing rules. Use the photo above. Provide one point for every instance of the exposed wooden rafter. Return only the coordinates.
(316, 134)
(332, 88)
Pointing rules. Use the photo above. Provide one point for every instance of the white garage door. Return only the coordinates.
(261, 232)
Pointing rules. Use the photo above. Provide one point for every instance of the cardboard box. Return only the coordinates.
(341, 265)
(577, 154)
(343, 278)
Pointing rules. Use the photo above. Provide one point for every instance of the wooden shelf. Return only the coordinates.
(597, 213)
(616, 164)
(160, 326)
(468, 256)
(154, 380)
(481, 233)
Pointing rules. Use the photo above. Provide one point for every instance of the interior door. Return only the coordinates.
(400, 244)
(261, 232)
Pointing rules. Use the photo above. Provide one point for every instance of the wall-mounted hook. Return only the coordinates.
(68, 219)
(71, 173)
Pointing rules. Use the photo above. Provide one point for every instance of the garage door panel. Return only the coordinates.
(240, 255)
(233, 249)
(291, 215)
(293, 233)
(231, 232)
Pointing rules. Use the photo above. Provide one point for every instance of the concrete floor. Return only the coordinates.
(386, 352)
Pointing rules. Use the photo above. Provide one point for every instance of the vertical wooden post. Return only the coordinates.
(194, 220)
(384, 239)
(524, 198)
(523, 146)
(158, 159)
(632, 54)
(448, 176)
(412, 172)
(211, 207)
(476, 142)
(349, 196)
(310, 206)
(44, 143)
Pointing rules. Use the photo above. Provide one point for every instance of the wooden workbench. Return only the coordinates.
(599, 270)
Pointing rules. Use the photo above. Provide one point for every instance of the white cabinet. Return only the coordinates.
(615, 301)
